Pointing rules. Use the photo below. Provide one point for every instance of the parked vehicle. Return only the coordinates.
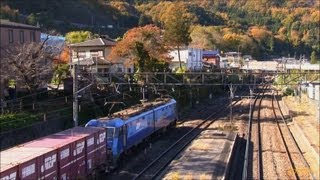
(71, 154)
(130, 127)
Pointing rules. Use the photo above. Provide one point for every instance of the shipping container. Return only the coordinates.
(64, 145)
(65, 155)
(28, 163)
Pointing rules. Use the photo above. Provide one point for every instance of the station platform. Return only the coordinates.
(207, 157)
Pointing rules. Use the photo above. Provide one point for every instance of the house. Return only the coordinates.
(191, 59)
(11, 34)
(211, 59)
(93, 54)
(233, 58)
(17, 33)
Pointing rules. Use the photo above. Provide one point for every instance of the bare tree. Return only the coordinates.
(30, 64)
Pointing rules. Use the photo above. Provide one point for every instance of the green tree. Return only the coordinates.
(32, 19)
(78, 36)
(313, 57)
(177, 26)
(61, 71)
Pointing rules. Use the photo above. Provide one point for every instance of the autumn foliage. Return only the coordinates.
(141, 44)
(63, 57)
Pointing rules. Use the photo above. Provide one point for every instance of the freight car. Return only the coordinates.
(70, 154)
(129, 127)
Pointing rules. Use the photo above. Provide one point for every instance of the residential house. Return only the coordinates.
(191, 58)
(233, 58)
(211, 59)
(12, 34)
(93, 54)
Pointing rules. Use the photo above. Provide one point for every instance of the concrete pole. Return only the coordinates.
(143, 94)
(319, 110)
(231, 98)
(75, 104)
(300, 81)
(190, 91)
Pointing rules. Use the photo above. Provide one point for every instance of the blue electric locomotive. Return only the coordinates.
(129, 127)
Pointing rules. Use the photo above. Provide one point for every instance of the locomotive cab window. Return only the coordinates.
(110, 132)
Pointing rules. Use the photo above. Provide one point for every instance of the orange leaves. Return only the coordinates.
(169, 13)
(149, 36)
(63, 57)
(295, 37)
(231, 37)
(315, 16)
(123, 7)
(164, 11)
(259, 33)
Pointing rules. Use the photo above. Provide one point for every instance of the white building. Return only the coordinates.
(191, 58)
(313, 90)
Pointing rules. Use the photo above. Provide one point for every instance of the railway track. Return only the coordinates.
(245, 172)
(259, 154)
(160, 163)
(271, 150)
(286, 136)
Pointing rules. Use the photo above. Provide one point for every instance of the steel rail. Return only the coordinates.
(246, 157)
(178, 141)
(295, 143)
(282, 138)
(260, 161)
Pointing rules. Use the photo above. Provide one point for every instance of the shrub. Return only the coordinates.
(287, 91)
(17, 120)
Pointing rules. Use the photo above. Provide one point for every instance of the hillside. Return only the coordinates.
(270, 27)
(64, 16)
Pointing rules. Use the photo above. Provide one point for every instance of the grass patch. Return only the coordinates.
(17, 120)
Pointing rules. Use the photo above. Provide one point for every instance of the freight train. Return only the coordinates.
(130, 127)
(71, 154)
(80, 151)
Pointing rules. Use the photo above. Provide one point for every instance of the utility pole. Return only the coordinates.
(232, 91)
(300, 80)
(75, 104)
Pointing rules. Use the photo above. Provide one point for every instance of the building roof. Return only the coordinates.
(90, 61)
(7, 23)
(95, 42)
(211, 53)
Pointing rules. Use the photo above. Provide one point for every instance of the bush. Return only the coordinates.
(16, 120)
(287, 91)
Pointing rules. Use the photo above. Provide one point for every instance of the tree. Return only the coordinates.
(144, 20)
(313, 58)
(78, 36)
(61, 67)
(61, 71)
(140, 46)
(205, 37)
(177, 26)
(63, 57)
(7, 13)
(32, 19)
(30, 64)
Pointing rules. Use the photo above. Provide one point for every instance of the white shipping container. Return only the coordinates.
(194, 61)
